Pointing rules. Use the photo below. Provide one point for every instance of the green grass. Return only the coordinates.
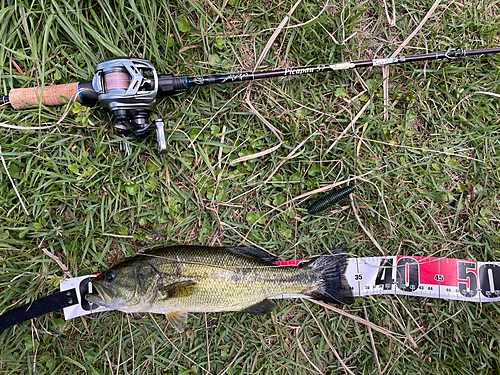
(433, 167)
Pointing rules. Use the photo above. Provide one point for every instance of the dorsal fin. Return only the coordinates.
(254, 252)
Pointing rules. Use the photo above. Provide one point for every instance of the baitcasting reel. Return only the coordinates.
(128, 87)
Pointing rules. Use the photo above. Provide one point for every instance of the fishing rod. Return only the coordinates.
(131, 87)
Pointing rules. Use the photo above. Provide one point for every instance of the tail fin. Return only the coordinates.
(331, 267)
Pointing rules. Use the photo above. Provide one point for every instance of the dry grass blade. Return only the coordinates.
(307, 357)
(221, 148)
(344, 366)
(421, 149)
(275, 34)
(58, 261)
(351, 124)
(12, 182)
(488, 93)
(16, 127)
(374, 347)
(390, 20)
(367, 232)
(235, 357)
(275, 131)
(133, 345)
(110, 363)
(373, 326)
(385, 85)
(256, 155)
(208, 341)
(120, 346)
(417, 29)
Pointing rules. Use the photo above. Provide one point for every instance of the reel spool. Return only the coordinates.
(128, 88)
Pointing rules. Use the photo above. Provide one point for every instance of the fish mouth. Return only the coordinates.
(104, 297)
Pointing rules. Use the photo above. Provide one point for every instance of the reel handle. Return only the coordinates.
(160, 136)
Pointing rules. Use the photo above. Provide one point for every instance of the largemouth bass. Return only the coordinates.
(180, 279)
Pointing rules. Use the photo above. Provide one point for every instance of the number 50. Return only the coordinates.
(466, 272)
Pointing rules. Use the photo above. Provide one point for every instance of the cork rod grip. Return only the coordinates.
(52, 95)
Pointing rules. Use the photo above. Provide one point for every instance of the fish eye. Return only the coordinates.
(110, 276)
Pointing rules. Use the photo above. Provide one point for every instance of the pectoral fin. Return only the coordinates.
(261, 308)
(177, 290)
(177, 319)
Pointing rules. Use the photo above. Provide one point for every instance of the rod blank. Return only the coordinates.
(170, 85)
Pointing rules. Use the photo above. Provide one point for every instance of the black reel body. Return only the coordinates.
(128, 87)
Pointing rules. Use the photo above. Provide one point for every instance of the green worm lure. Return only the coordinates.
(320, 205)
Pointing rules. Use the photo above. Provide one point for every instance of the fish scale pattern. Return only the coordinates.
(217, 279)
(225, 280)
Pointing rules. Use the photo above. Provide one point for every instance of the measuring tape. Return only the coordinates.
(446, 278)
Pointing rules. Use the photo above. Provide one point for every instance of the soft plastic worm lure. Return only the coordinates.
(329, 199)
